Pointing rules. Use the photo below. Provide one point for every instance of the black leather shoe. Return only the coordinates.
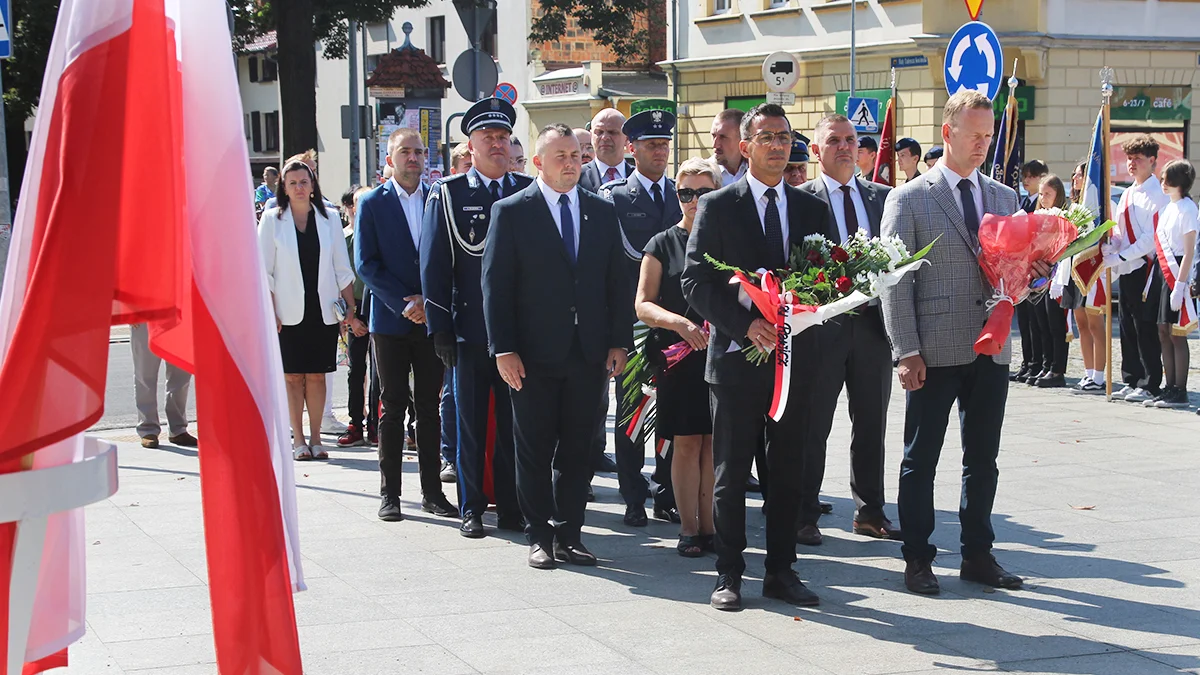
(985, 570)
(880, 529)
(826, 507)
(511, 523)
(604, 464)
(670, 514)
(1051, 381)
(472, 527)
(438, 505)
(919, 577)
(787, 586)
(449, 472)
(389, 509)
(575, 554)
(809, 535)
(635, 516)
(752, 485)
(727, 596)
(540, 559)
(1019, 376)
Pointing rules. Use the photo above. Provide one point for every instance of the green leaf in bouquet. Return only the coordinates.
(729, 268)
(919, 254)
(1087, 241)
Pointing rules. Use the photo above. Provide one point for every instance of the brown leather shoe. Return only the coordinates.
(575, 554)
(985, 570)
(809, 535)
(879, 529)
(540, 558)
(184, 440)
(919, 577)
(150, 442)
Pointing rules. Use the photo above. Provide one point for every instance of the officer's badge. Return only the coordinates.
(656, 116)
(471, 235)
(495, 104)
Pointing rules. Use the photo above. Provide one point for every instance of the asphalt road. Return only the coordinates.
(121, 413)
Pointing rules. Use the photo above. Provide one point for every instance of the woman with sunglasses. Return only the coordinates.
(683, 410)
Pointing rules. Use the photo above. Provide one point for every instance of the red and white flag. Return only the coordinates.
(885, 160)
(136, 207)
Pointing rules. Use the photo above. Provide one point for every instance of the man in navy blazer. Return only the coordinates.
(386, 251)
(557, 305)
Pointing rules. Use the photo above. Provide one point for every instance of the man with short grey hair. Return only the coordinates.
(933, 317)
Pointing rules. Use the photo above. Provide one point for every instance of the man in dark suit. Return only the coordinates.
(610, 142)
(455, 230)
(854, 353)
(752, 224)
(386, 249)
(646, 205)
(557, 305)
(933, 317)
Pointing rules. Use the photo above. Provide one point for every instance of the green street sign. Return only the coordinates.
(1024, 102)
(1169, 104)
(843, 97)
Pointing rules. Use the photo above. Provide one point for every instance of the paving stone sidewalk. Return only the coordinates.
(1096, 508)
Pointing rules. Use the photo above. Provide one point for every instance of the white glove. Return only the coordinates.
(1112, 260)
(1178, 294)
(1056, 290)
(1108, 248)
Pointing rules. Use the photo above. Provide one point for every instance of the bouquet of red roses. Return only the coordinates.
(1008, 247)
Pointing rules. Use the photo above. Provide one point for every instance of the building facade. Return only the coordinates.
(718, 47)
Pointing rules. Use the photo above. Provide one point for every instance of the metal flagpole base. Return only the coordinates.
(29, 498)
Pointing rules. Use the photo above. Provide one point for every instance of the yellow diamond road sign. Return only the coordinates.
(973, 7)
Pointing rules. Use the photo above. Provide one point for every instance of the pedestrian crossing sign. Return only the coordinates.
(864, 114)
(5, 31)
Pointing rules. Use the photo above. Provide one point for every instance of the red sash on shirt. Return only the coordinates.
(1170, 270)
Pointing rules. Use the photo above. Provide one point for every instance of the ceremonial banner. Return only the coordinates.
(1087, 267)
(885, 160)
(138, 93)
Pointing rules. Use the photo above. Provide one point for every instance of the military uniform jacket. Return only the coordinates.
(456, 226)
(640, 218)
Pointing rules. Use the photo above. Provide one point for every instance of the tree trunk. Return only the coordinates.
(297, 74)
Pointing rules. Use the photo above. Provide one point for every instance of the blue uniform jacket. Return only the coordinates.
(386, 259)
(452, 256)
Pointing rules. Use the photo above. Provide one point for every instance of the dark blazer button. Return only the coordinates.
(417, 262)
(572, 309)
(978, 302)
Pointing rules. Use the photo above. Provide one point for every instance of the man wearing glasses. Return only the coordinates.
(646, 205)
(753, 224)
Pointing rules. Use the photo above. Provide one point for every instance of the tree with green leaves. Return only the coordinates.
(630, 28)
(32, 29)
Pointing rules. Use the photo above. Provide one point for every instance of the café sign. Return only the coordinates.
(1157, 103)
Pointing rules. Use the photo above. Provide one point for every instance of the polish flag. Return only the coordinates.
(136, 207)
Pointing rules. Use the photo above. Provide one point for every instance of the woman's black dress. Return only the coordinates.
(311, 345)
(682, 392)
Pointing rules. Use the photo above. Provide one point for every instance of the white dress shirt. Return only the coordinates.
(1174, 221)
(953, 179)
(603, 169)
(1141, 201)
(487, 182)
(414, 210)
(731, 178)
(759, 190)
(551, 195)
(837, 199)
(647, 183)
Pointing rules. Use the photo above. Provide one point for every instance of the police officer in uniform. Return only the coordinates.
(646, 205)
(455, 229)
(796, 173)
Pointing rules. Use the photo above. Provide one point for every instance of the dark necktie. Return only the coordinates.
(610, 175)
(658, 197)
(774, 229)
(568, 226)
(851, 213)
(495, 191)
(970, 215)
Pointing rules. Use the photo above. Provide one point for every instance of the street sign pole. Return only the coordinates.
(5, 199)
(853, 44)
(355, 131)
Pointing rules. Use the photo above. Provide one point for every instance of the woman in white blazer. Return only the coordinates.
(308, 269)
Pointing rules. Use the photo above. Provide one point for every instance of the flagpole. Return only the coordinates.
(895, 105)
(1106, 92)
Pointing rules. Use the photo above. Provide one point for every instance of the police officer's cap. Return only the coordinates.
(487, 113)
(799, 149)
(650, 124)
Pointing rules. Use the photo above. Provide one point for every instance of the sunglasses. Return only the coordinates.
(686, 195)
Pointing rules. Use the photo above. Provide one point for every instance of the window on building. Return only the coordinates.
(246, 125)
(488, 42)
(270, 69)
(437, 38)
(776, 4)
(271, 124)
(256, 131)
(722, 6)
(252, 65)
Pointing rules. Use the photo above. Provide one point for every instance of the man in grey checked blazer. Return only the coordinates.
(933, 318)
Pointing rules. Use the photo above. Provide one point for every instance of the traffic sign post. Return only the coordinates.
(781, 72)
(864, 114)
(5, 29)
(474, 75)
(973, 60)
(507, 92)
